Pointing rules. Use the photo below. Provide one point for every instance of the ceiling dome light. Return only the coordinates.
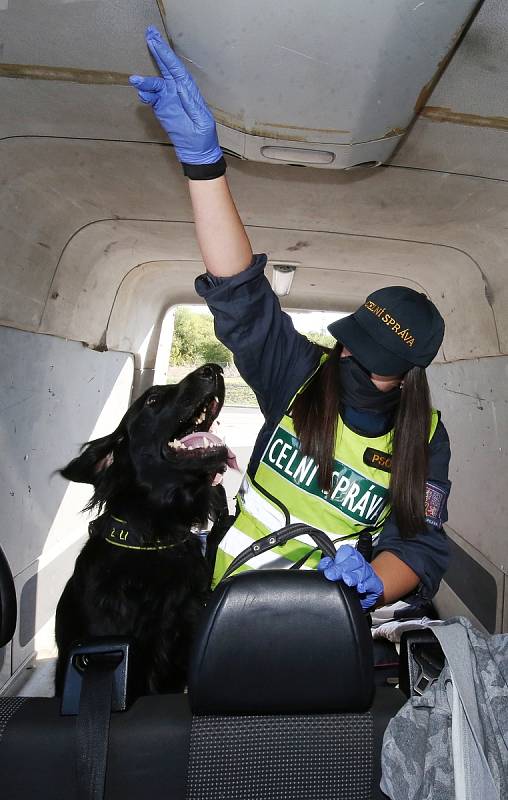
(282, 278)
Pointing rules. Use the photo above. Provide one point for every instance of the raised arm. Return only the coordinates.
(222, 239)
(184, 115)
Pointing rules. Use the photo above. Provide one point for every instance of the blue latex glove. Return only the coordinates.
(178, 105)
(350, 567)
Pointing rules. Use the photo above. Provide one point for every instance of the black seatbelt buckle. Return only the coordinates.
(109, 654)
(421, 661)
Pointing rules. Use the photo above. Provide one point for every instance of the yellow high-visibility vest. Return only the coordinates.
(285, 478)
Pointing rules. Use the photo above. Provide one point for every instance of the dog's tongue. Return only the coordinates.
(207, 439)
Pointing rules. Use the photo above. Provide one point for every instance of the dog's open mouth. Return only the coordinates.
(206, 414)
(194, 439)
(200, 420)
(203, 443)
(206, 448)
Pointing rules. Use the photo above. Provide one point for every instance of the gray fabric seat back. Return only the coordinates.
(281, 688)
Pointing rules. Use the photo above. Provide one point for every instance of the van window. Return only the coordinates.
(188, 340)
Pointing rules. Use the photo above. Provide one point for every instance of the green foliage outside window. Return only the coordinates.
(194, 341)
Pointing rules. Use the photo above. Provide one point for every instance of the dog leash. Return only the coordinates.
(278, 538)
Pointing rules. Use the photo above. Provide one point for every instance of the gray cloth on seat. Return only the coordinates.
(452, 742)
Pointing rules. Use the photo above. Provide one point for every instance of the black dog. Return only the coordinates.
(142, 573)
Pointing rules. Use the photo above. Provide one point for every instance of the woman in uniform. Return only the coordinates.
(350, 442)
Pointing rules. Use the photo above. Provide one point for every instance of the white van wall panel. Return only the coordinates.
(473, 399)
(449, 604)
(336, 64)
(109, 36)
(471, 84)
(73, 110)
(474, 83)
(64, 187)
(446, 147)
(476, 78)
(88, 34)
(38, 589)
(54, 395)
(107, 254)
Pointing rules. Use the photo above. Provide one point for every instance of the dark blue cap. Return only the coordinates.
(395, 329)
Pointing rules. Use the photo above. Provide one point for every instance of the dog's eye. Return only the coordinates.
(150, 401)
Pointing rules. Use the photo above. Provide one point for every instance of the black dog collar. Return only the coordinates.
(119, 533)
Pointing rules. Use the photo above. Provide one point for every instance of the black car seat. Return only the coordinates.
(281, 704)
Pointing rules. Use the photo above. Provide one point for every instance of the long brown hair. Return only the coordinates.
(315, 413)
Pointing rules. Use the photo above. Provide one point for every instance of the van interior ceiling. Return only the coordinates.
(366, 146)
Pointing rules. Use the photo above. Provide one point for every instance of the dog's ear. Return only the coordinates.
(95, 458)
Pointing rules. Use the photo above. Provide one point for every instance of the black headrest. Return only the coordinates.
(279, 641)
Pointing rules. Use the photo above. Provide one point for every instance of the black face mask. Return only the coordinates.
(357, 389)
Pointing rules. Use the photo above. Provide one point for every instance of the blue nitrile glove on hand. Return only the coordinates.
(350, 567)
(178, 105)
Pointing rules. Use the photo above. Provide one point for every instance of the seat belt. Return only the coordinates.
(99, 680)
(92, 729)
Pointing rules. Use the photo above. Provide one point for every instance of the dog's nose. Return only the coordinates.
(210, 371)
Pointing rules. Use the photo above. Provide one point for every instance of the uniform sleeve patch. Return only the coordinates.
(435, 499)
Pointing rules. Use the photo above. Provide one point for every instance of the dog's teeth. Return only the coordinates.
(216, 399)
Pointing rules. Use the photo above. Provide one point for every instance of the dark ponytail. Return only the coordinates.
(410, 453)
(315, 413)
